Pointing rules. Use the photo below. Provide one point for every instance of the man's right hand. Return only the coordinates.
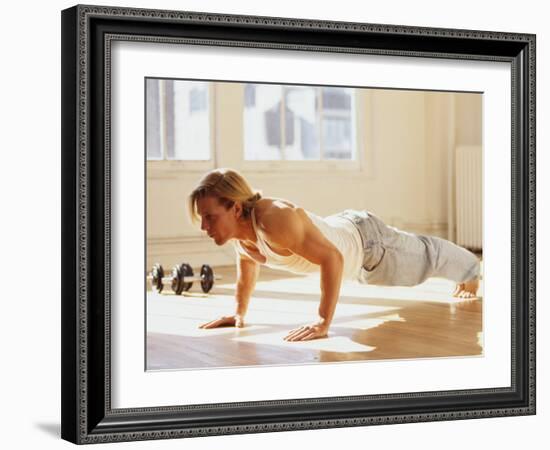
(225, 321)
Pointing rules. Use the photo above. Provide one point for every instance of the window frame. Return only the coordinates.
(164, 165)
(361, 138)
(172, 167)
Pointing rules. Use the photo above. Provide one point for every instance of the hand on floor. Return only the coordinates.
(225, 321)
(307, 333)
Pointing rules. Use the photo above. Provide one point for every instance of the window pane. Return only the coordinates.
(152, 111)
(298, 123)
(188, 130)
(337, 123)
(262, 122)
(301, 123)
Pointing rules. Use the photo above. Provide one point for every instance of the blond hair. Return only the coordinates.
(229, 186)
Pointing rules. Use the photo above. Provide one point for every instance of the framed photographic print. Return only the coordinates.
(280, 224)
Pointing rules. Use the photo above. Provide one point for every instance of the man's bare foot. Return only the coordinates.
(467, 290)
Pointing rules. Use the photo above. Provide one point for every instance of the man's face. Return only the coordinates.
(219, 223)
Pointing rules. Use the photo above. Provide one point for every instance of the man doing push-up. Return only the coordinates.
(349, 245)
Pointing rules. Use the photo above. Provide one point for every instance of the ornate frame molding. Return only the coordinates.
(85, 421)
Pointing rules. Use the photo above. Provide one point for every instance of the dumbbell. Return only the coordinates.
(182, 278)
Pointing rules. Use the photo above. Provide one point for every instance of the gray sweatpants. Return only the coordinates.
(397, 258)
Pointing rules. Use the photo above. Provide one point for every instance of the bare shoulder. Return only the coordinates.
(274, 214)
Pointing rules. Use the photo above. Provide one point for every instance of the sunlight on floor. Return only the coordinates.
(269, 320)
(331, 344)
(365, 324)
(480, 340)
(370, 322)
(433, 290)
(183, 316)
(178, 326)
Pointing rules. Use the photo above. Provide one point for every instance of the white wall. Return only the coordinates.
(30, 238)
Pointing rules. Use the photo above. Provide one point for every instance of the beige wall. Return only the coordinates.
(468, 119)
(409, 138)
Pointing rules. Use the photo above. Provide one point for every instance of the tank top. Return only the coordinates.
(337, 229)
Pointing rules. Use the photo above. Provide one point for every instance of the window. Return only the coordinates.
(298, 123)
(177, 120)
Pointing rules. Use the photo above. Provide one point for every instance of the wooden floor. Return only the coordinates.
(371, 323)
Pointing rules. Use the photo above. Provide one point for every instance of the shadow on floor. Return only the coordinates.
(52, 429)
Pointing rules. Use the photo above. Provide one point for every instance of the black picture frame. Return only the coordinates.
(87, 415)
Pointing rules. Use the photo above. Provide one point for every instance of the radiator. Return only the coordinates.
(469, 197)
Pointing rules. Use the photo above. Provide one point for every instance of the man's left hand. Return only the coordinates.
(308, 332)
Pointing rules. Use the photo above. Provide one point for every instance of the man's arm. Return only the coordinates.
(292, 229)
(247, 274)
